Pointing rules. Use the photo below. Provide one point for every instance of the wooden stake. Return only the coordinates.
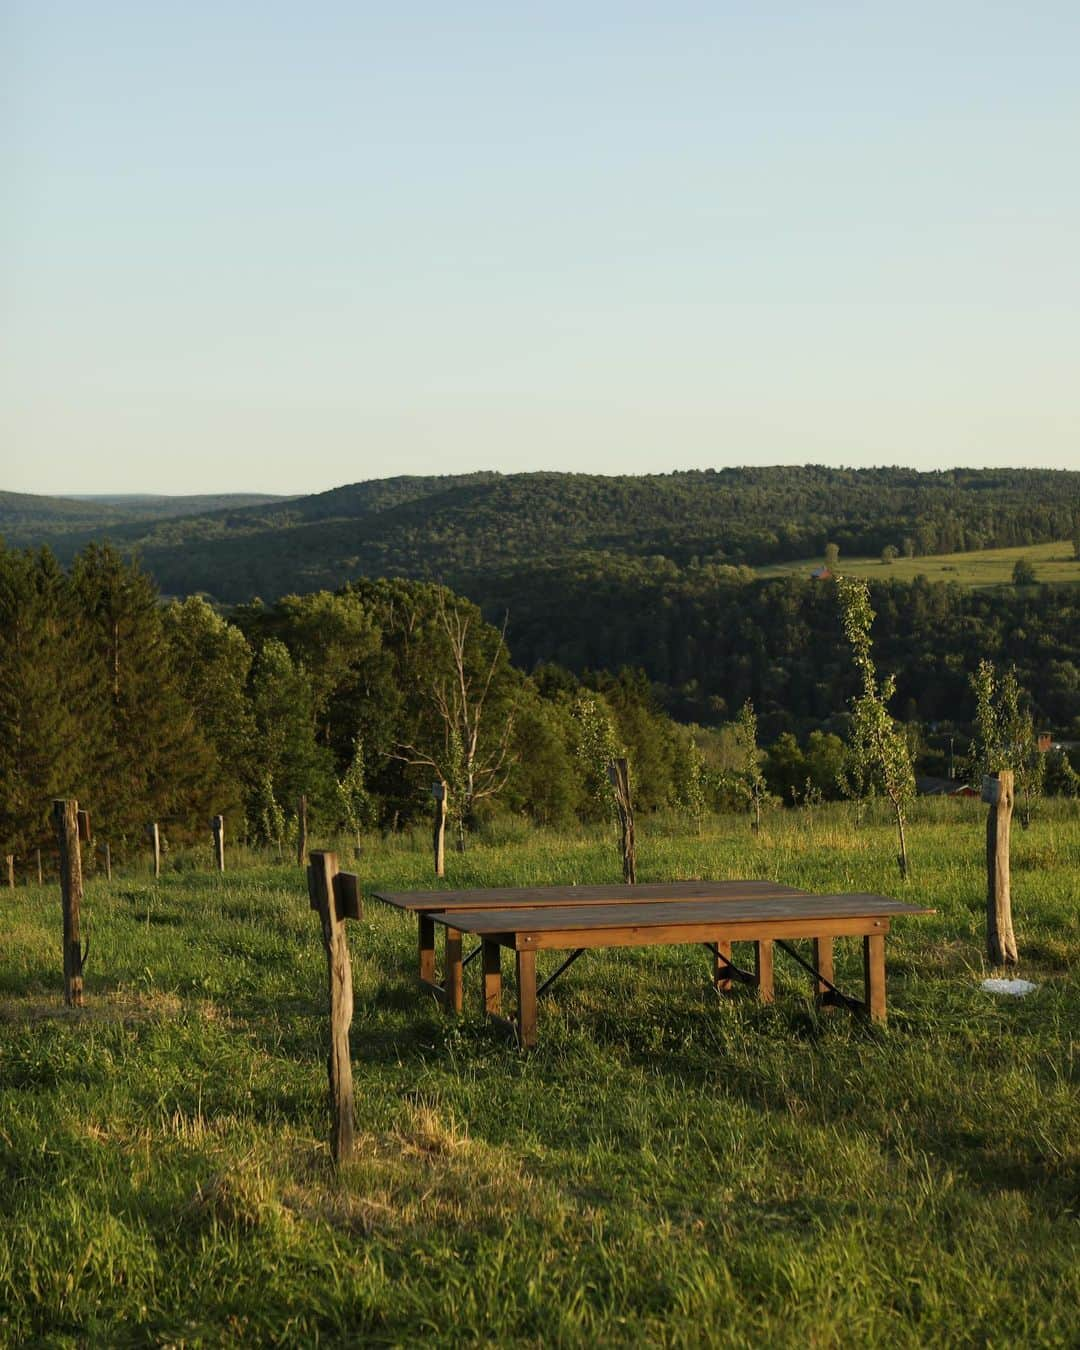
(1000, 941)
(11, 871)
(438, 833)
(322, 891)
(65, 818)
(108, 863)
(619, 777)
(218, 827)
(40, 877)
(154, 835)
(301, 831)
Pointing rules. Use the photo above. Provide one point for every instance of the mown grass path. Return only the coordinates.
(666, 1168)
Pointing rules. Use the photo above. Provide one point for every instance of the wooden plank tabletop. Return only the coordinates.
(539, 897)
(690, 914)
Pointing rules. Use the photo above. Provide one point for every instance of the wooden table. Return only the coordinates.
(577, 919)
(427, 904)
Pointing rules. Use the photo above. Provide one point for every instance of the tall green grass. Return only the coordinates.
(667, 1168)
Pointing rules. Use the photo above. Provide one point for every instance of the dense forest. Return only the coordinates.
(463, 528)
(357, 700)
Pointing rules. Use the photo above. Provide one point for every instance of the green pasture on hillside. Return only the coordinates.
(1053, 563)
(667, 1168)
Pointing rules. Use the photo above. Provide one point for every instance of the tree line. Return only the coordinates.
(355, 700)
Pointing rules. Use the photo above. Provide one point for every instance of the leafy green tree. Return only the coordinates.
(750, 772)
(597, 744)
(889, 554)
(357, 807)
(832, 555)
(1005, 736)
(290, 758)
(690, 790)
(878, 744)
(546, 781)
(152, 760)
(47, 722)
(1023, 573)
(213, 661)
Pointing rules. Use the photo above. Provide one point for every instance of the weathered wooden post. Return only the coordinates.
(301, 831)
(154, 835)
(438, 833)
(66, 819)
(108, 863)
(11, 871)
(40, 876)
(997, 792)
(218, 827)
(619, 777)
(335, 896)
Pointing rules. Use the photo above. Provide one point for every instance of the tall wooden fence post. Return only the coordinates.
(108, 863)
(301, 831)
(438, 832)
(11, 871)
(66, 819)
(40, 877)
(335, 897)
(154, 835)
(218, 827)
(619, 777)
(997, 791)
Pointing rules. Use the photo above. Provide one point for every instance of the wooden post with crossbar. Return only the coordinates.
(335, 897)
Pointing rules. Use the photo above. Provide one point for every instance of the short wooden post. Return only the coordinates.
(11, 871)
(426, 948)
(217, 825)
(619, 777)
(108, 863)
(154, 835)
(301, 831)
(65, 818)
(326, 898)
(997, 792)
(40, 874)
(438, 833)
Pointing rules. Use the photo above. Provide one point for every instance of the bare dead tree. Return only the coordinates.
(474, 760)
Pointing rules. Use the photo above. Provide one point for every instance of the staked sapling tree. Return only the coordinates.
(879, 746)
(751, 777)
(1005, 736)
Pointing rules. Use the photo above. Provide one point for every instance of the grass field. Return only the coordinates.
(988, 567)
(667, 1168)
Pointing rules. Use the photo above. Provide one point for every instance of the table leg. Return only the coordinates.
(763, 970)
(452, 975)
(491, 956)
(874, 975)
(721, 961)
(426, 944)
(822, 961)
(526, 984)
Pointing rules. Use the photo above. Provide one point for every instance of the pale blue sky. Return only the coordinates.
(280, 247)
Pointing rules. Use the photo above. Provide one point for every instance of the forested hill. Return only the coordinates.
(26, 518)
(465, 526)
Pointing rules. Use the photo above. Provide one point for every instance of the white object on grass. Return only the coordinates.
(1017, 988)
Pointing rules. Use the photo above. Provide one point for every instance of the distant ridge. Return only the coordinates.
(465, 527)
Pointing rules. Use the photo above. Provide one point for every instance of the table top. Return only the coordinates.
(801, 908)
(560, 897)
